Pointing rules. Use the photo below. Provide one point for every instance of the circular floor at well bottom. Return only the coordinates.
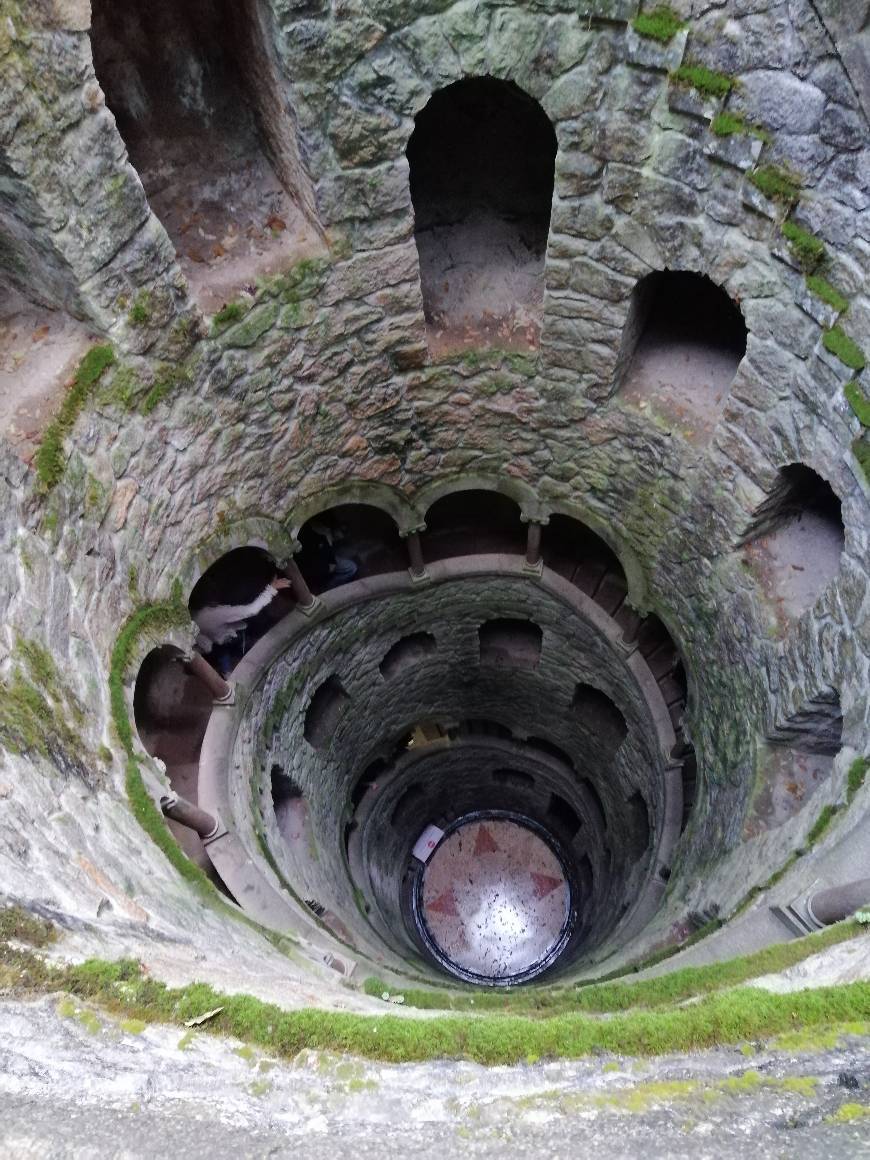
(494, 903)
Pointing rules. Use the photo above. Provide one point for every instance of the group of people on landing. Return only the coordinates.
(227, 631)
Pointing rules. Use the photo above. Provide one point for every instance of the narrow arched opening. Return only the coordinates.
(681, 346)
(348, 542)
(574, 551)
(235, 602)
(204, 116)
(795, 540)
(482, 159)
(471, 523)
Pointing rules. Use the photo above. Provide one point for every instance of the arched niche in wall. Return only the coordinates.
(347, 542)
(325, 709)
(510, 644)
(600, 716)
(406, 654)
(682, 344)
(237, 584)
(171, 710)
(482, 159)
(574, 551)
(796, 757)
(476, 522)
(795, 540)
(203, 111)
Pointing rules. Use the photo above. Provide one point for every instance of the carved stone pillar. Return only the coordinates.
(837, 903)
(222, 692)
(417, 564)
(187, 814)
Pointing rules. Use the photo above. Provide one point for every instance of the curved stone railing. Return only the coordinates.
(224, 789)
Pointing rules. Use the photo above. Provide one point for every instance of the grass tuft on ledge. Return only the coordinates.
(661, 23)
(728, 124)
(839, 344)
(776, 184)
(704, 80)
(807, 248)
(829, 294)
(603, 998)
(859, 401)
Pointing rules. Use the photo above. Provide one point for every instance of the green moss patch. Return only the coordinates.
(821, 825)
(806, 247)
(839, 344)
(859, 401)
(861, 451)
(140, 311)
(39, 714)
(728, 124)
(856, 776)
(703, 80)
(226, 316)
(739, 1015)
(829, 294)
(50, 458)
(675, 987)
(661, 23)
(777, 184)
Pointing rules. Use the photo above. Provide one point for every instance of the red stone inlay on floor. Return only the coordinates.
(484, 843)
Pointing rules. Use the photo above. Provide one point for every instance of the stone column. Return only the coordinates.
(534, 561)
(306, 601)
(628, 640)
(417, 563)
(187, 814)
(839, 902)
(222, 692)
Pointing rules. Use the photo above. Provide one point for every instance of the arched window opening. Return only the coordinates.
(637, 829)
(234, 603)
(595, 806)
(470, 523)
(408, 807)
(516, 778)
(205, 120)
(325, 710)
(478, 727)
(681, 347)
(482, 159)
(689, 778)
(551, 750)
(407, 653)
(795, 540)
(367, 782)
(171, 710)
(575, 552)
(563, 816)
(600, 716)
(348, 542)
(816, 727)
(284, 788)
(510, 644)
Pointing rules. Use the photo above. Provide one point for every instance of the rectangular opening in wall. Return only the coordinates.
(199, 102)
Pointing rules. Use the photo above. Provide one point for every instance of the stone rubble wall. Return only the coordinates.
(324, 380)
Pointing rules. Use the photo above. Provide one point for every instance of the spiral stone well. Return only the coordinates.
(556, 313)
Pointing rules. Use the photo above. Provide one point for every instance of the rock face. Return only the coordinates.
(315, 388)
